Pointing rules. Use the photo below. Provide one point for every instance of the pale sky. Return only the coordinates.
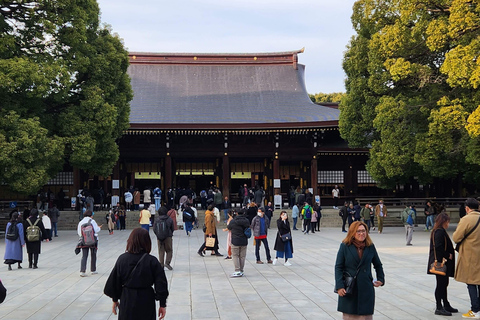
(323, 27)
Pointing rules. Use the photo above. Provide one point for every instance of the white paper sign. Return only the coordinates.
(276, 183)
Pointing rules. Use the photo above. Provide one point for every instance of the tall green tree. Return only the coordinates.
(64, 91)
(412, 77)
(327, 97)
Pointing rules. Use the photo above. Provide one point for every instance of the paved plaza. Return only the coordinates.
(200, 288)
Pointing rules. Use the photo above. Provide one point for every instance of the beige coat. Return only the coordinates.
(468, 263)
(210, 223)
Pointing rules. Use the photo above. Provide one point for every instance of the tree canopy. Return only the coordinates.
(327, 97)
(412, 78)
(64, 91)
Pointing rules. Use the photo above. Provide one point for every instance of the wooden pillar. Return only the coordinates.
(168, 172)
(226, 176)
(314, 175)
(276, 174)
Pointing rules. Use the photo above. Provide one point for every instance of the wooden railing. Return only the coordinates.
(418, 202)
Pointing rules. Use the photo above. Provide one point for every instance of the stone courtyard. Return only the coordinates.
(200, 288)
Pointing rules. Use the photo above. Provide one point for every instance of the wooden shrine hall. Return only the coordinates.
(231, 119)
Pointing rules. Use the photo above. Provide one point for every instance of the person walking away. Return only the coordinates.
(355, 257)
(343, 213)
(14, 242)
(295, 213)
(226, 206)
(157, 196)
(467, 238)
(217, 198)
(307, 217)
(34, 234)
(53, 214)
(172, 213)
(131, 280)
(47, 224)
(145, 218)
(231, 214)
(85, 228)
(151, 208)
(211, 232)
(188, 218)
(163, 229)
(128, 200)
(284, 248)
(381, 213)
(335, 196)
(365, 215)
(147, 197)
(408, 219)
(441, 250)
(237, 227)
(136, 200)
(259, 228)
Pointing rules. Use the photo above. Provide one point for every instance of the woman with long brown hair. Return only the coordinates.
(131, 280)
(441, 247)
(357, 252)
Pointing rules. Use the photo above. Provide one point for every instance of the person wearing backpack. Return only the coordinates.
(14, 242)
(85, 228)
(307, 217)
(163, 229)
(408, 219)
(188, 217)
(34, 234)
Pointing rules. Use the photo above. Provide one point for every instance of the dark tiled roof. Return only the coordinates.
(222, 94)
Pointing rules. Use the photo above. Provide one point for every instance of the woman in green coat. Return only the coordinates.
(357, 252)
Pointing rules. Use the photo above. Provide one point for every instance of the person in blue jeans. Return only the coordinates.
(430, 216)
(295, 213)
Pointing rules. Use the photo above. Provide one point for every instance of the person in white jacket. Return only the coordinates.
(87, 217)
(47, 223)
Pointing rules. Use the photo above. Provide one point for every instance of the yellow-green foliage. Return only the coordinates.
(413, 71)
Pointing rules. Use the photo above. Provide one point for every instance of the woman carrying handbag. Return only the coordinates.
(441, 249)
(283, 242)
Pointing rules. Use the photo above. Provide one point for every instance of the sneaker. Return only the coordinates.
(274, 261)
(83, 274)
(471, 315)
(236, 274)
(228, 258)
(241, 273)
(94, 272)
(287, 264)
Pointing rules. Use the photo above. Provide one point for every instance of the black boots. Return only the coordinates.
(442, 312)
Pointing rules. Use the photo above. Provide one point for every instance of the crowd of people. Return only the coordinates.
(137, 273)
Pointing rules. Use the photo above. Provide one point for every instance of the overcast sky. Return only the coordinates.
(323, 27)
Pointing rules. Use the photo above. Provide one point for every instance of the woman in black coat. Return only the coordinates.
(283, 248)
(137, 280)
(34, 247)
(441, 247)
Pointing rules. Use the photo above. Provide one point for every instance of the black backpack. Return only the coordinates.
(12, 232)
(161, 229)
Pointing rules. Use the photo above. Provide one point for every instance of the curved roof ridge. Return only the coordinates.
(216, 54)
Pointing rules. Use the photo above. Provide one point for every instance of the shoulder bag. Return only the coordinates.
(286, 237)
(457, 247)
(435, 268)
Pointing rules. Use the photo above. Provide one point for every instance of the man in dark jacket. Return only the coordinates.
(239, 242)
(53, 214)
(163, 228)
